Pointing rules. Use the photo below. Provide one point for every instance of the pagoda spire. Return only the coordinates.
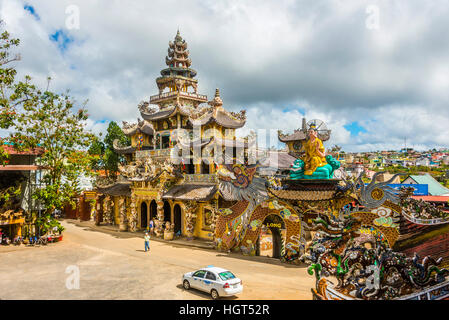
(178, 77)
(178, 55)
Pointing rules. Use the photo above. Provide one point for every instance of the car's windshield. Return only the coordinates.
(226, 275)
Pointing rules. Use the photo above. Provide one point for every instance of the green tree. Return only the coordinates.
(112, 158)
(96, 150)
(47, 121)
(9, 96)
(105, 156)
(11, 92)
(43, 119)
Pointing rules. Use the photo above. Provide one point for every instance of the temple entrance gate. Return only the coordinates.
(230, 219)
(143, 215)
(177, 218)
(271, 237)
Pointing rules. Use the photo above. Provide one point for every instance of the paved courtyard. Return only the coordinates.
(112, 267)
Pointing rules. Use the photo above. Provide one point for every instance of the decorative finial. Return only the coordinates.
(178, 35)
(304, 125)
(216, 102)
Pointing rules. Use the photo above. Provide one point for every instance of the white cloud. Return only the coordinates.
(317, 56)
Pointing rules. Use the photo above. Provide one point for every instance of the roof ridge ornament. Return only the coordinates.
(216, 102)
(144, 107)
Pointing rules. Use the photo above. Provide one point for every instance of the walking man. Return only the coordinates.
(147, 241)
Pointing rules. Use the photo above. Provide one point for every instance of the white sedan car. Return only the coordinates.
(217, 282)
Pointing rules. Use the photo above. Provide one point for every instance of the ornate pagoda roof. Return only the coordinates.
(301, 134)
(155, 114)
(143, 126)
(296, 135)
(196, 192)
(309, 190)
(122, 149)
(116, 189)
(198, 116)
(216, 113)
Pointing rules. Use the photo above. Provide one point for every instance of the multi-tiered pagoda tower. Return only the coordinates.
(178, 78)
(178, 121)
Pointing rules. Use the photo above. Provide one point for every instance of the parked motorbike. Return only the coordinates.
(6, 241)
(18, 241)
(42, 241)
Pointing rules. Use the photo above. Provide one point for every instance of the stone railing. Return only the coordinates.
(152, 153)
(437, 292)
(158, 97)
(209, 178)
(430, 221)
(193, 95)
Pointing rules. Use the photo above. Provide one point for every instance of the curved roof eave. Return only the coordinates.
(158, 115)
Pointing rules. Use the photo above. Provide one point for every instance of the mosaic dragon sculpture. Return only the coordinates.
(237, 182)
(238, 227)
(364, 265)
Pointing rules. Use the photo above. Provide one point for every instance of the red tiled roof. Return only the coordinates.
(19, 168)
(10, 150)
(432, 198)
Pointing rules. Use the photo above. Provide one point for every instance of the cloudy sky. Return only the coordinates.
(377, 72)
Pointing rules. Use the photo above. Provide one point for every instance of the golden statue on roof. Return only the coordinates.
(315, 153)
(313, 163)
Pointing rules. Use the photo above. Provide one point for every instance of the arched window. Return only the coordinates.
(153, 210)
(177, 217)
(143, 215)
(167, 211)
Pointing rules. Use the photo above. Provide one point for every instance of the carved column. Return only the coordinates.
(95, 209)
(191, 215)
(122, 212)
(214, 221)
(107, 210)
(99, 210)
(132, 222)
(160, 219)
(112, 210)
